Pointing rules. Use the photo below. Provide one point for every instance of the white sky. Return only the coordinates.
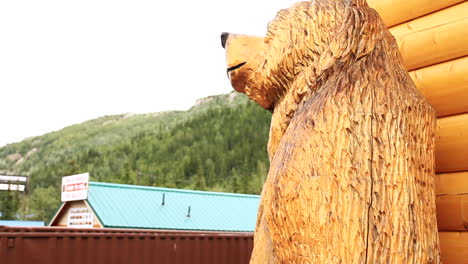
(64, 62)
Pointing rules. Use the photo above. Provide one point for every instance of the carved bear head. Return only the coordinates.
(301, 43)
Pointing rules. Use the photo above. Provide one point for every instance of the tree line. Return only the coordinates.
(217, 146)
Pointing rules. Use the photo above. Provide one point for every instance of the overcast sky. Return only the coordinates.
(64, 62)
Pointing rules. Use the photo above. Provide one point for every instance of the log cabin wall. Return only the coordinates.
(433, 40)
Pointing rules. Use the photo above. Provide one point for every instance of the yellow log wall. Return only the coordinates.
(433, 40)
(437, 44)
(444, 16)
(451, 183)
(454, 247)
(452, 213)
(394, 12)
(445, 85)
(452, 201)
(452, 144)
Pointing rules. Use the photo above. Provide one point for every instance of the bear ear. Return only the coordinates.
(359, 2)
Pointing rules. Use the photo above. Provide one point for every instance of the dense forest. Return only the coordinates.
(218, 145)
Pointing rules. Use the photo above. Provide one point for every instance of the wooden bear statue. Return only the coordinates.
(351, 141)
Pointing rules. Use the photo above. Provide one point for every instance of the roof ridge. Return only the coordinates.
(129, 186)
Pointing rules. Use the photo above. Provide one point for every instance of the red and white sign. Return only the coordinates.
(75, 187)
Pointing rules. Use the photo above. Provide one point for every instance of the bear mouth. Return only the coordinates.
(233, 68)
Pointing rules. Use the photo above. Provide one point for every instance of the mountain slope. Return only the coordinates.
(219, 144)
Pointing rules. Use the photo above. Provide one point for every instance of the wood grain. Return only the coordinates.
(445, 86)
(444, 16)
(434, 45)
(452, 212)
(452, 144)
(351, 142)
(394, 12)
(452, 201)
(454, 247)
(451, 183)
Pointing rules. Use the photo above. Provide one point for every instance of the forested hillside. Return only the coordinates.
(219, 144)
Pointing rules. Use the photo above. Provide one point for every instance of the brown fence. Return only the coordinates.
(87, 246)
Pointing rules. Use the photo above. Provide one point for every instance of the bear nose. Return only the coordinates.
(224, 37)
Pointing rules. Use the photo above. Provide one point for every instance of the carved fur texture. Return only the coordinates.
(351, 143)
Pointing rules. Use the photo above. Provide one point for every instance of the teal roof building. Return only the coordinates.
(132, 206)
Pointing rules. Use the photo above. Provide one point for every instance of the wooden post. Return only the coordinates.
(351, 143)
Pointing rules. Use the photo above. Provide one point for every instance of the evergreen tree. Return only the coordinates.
(9, 204)
(219, 145)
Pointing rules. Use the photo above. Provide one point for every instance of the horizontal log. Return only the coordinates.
(394, 12)
(451, 183)
(434, 45)
(445, 86)
(452, 144)
(444, 16)
(452, 212)
(454, 247)
(452, 201)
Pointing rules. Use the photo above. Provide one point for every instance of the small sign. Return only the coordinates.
(75, 187)
(13, 183)
(12, 187)
(80, 218)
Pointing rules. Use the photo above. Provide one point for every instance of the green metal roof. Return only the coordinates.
(132, 206)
